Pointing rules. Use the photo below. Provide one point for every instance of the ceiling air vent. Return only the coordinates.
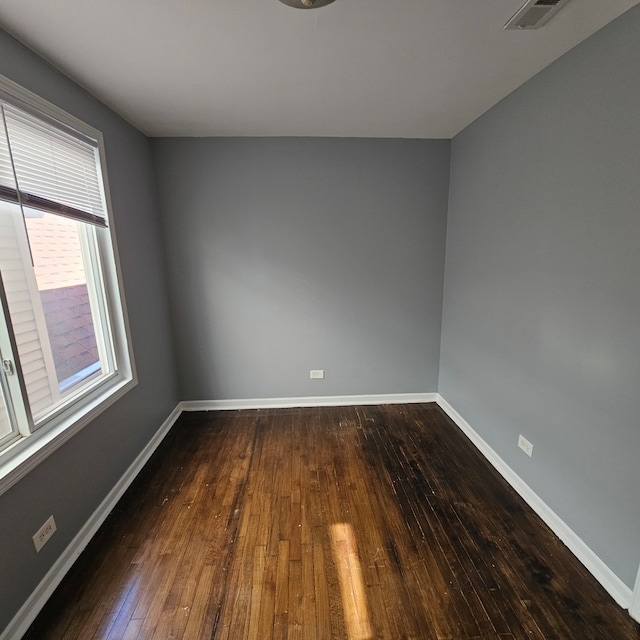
(534, 13)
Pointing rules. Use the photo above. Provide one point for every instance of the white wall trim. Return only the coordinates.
(311, 401)
(634, 607)
(30, 609)
(619, 591)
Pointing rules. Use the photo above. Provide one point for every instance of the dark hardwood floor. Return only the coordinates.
(352, 522)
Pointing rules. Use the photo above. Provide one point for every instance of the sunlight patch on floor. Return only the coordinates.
(354, 601)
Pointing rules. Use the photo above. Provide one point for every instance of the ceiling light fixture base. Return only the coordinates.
(307, 4)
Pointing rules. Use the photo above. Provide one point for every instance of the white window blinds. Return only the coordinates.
(7, 183)
(55, 171)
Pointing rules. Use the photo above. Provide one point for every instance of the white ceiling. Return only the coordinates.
(373, 68)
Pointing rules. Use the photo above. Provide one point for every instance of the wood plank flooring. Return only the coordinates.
(351, 522)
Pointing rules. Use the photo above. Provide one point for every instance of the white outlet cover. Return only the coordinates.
(316, 374)
(44, 533)
(525, 445)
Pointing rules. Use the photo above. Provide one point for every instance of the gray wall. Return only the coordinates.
(287, 255)
(541, 325)
(73, 481)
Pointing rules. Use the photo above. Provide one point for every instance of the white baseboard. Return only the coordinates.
(30, 609)
(310, 401)
(602, 573)
(634, 607)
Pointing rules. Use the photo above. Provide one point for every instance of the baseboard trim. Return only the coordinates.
(36, 601)
(634, 607)
(310, 401)
(592, 562)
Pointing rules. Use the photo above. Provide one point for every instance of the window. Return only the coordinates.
(63, 337)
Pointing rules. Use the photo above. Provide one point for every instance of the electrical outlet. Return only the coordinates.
(42, 535)
(525, 445)
(316, 374)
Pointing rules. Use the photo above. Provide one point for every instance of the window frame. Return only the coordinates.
(27, 451)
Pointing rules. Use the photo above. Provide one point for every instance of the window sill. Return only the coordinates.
(27, 453)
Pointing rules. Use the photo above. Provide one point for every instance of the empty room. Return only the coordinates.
(320, 319)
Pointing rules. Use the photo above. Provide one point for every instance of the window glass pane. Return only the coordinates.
(53, 298)
(62, 264)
